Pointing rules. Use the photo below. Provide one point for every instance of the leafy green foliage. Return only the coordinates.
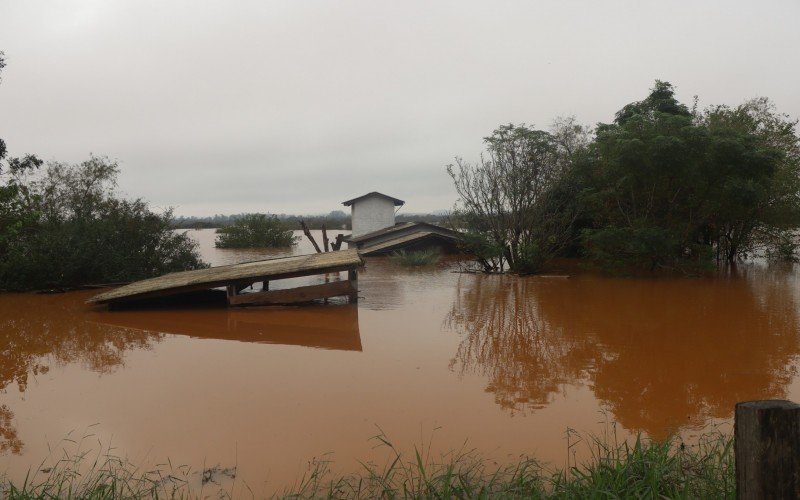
(661, 187)
(255, 230)
(666, 188)
(65, 227)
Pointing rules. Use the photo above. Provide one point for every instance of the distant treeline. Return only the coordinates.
(336, 219)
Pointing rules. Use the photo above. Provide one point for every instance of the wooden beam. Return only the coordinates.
(325, 239)
(294, 295)
(309, 236)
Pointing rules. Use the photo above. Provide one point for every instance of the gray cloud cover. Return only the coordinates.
(221, 107)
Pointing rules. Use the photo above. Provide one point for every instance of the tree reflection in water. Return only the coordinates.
(507, 339)
(37, 331)
(8, 433)
(659, 354)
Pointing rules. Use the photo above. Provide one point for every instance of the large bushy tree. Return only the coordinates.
(668, 187)
(65, 226)
(758, 216)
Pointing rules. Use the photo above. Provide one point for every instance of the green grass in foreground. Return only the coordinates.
(636, 469)
(416, 258)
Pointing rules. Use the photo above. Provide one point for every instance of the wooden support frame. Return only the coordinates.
(294, 295)
(352, 278)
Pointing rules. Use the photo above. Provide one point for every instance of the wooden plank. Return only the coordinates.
(236, 274)
(294, 295)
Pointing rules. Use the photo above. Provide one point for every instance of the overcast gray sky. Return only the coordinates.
(295, 106)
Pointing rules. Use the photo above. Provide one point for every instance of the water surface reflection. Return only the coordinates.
(325, 327)
(39, 331)
(659, 354)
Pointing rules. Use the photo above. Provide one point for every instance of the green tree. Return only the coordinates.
(766, 222)
(508, 204)
(670, 188)
(65, 227)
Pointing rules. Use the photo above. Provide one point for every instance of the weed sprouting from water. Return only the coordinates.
(642, 468)
(71, 471)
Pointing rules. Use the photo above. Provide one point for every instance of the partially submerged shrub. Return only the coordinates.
(417, 258)
(255, 230)
(66, 227)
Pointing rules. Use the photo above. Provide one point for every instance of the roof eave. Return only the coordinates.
(397, 202)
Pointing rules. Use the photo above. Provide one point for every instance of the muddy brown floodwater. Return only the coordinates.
(433, 356)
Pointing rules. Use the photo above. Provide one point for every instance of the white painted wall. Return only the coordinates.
(371, 214)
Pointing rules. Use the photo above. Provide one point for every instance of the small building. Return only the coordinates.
(375, 231)
(372, 212)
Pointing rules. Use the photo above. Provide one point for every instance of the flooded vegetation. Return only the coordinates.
(404, 267)
(428, 355)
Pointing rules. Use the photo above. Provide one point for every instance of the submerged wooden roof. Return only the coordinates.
(402, 227)
(401, 241)
(249, 272)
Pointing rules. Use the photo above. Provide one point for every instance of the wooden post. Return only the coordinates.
(309, 236)
(231, 292)
(325, 239)
(767, 449)
(265, 286)
(352, 277)
(336, 245)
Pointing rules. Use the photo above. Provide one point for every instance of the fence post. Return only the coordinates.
(767, 449)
